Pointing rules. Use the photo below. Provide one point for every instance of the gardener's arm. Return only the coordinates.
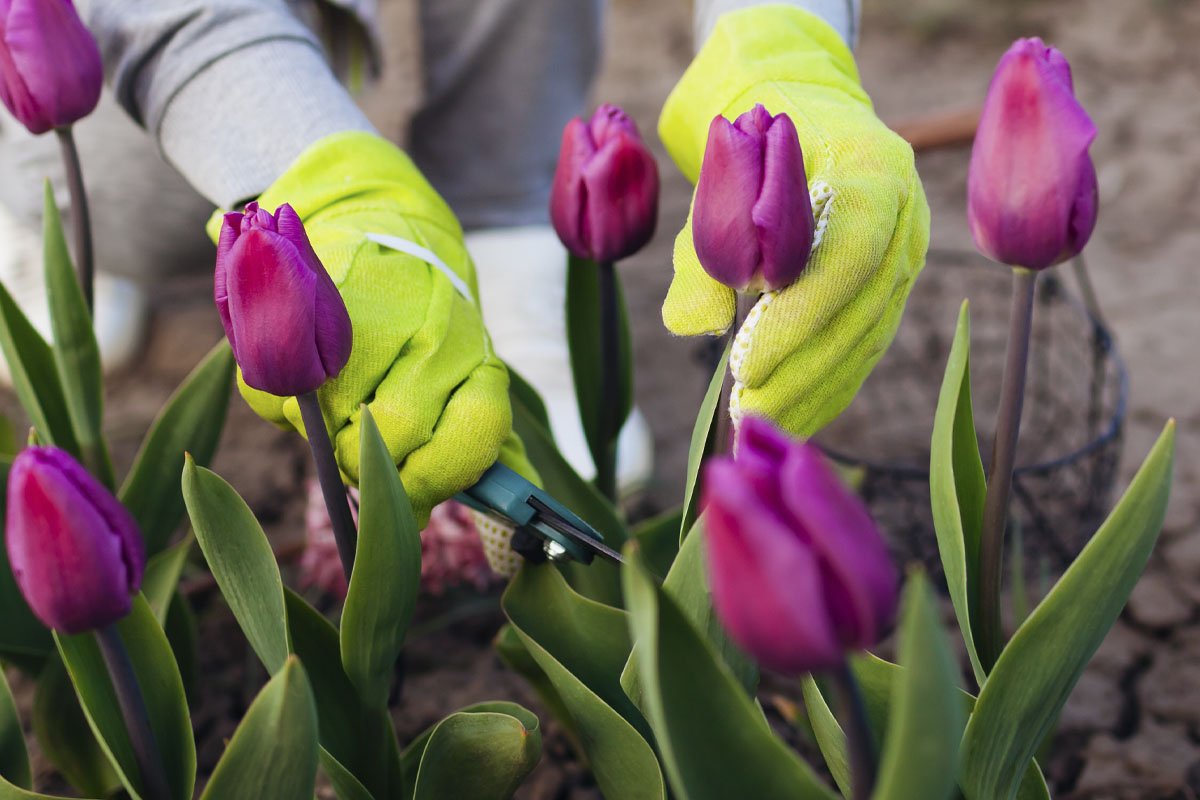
(232, 90)
(842, 15)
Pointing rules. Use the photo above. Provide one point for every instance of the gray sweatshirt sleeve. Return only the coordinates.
(843, 15)
(232, 90)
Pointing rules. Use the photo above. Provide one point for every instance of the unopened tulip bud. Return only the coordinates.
(604, 200)
(1031, 189)
(752, 219)
(284, 317)
(75, 551)
(50, 68)
(799, 572)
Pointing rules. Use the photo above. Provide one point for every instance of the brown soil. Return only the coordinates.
(1132, 729)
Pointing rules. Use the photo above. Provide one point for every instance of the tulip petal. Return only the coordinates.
(1030, 162)
(724, 234)
(272, 297)
(853, 556)
(783, 213)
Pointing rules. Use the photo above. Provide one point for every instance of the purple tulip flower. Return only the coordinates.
(285, 319)
(50, 68)
(799, 572)
(1031, 189)
(752, 219)
(604, 200)
(75, 551)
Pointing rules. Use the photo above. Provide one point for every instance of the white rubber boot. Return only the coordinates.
(522, 283)
(121, 308)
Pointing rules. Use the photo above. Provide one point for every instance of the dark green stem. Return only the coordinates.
(610, 390)
(133, 710)
(724, 433)
(1004, 452)
(330, 478)
(860, 744)
(81, 219)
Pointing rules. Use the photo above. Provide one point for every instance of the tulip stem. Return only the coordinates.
(81, 219)
(724, 433)
(1004, 451)
(133, 710)
(860, 744)
(610, 401)
(330, 477)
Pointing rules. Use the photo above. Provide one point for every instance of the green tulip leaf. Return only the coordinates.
(714, 740)
(23, 639)
(501, 741)
(14, 757)
(34, 377)
(957, 487)
(585, 341)
(62, 733)
(273, 752)
(688, 586)
(387, 572)
(581, 646)
(359, 750)
(241, 561)
(161, 687)
(190, 422)
(703, 443)
(161, 578)
(599, 580)
(920, 750)
(1039, 667)
(76, 354)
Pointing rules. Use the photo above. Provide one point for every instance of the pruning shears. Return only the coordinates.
(545, 528)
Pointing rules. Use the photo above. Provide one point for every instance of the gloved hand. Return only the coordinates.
(421, 360)
(805, 350)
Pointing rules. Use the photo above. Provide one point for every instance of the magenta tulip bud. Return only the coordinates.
(50, 68)
(752, 219)
(799, 572)
(604, 200)
(1031, 188)
(75, 551)
(285, 319)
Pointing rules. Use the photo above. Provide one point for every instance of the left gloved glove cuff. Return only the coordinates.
(763, 44)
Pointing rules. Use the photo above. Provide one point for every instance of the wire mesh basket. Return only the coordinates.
(1071, 432)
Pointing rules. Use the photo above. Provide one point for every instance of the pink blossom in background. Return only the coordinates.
(451, 551)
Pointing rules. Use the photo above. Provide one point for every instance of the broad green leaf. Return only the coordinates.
(658, 539)
(584, 338)
(1039, 667)
(687, 585)
(387, 572)
(161, 687)
(76, 354)
(14, 758)
(501, 741)
(273, 752)
(34, 377)
(23, 639)
(920, 750)
(190, 422)
(62, 733)
(713, 738)
(241, 560)
(581, 646)
(599, 580)
(162, 577)
(703, 443)
(957, 488)
(359, 750)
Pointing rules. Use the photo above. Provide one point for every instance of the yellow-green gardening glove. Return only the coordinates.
(421, 359)
(805, 350)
